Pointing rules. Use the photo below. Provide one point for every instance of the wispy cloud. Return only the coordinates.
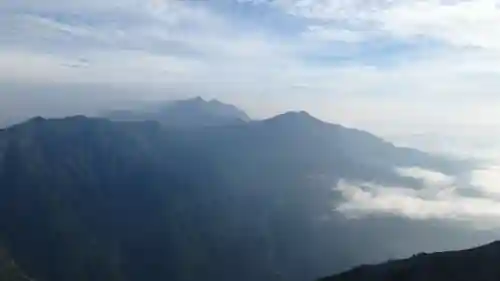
(424, 63)
(460, 23)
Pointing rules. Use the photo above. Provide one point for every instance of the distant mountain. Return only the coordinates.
(474, 264)
(98, 200)
(194, 112)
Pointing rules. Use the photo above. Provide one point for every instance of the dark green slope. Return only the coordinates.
(9, 270)
(89, 199)
(481, 264)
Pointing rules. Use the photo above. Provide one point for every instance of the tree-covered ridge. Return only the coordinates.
(474, 264)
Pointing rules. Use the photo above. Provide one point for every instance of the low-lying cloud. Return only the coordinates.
(441, 197)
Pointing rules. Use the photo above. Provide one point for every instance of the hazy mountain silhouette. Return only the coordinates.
(92, 199)
(194, 112)
(474, 264)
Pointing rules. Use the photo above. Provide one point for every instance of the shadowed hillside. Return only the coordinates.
(475, 264)
(91, 199)
(9, 270)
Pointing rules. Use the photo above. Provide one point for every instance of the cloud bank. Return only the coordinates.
(442, 197)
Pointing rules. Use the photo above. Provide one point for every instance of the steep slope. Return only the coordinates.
(296, 141)
(90, 199)
(188, 113)
(9, 270)
(474, 264)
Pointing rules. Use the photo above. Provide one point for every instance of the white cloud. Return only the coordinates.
(439, 199)
(368, 199)
(487, 180)
(121, 67)
(430, 178)
(324, 33)
(187, 46)
(461, 23)
(27, 67)
(74, 6)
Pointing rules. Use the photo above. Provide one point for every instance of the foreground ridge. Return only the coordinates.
(479, 263)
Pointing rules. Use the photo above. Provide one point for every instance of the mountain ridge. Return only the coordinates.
(470, 264)
(136, 201)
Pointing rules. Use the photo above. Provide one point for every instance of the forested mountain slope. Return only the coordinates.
(92, 199)
(474, 264)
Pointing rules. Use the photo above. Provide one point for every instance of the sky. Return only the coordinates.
(355, 62)
(422, 73)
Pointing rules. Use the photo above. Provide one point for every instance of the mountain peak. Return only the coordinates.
(192, 112)
(296, 117)
(300, 113)
(197, 99)
(216, 102)
(36, 119)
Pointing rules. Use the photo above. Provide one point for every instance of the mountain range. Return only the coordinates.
(181, 199)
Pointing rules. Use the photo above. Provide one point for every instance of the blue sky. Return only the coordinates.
(358, 62)
(419, 72)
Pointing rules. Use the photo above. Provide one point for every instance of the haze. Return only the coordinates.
(420, 73)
